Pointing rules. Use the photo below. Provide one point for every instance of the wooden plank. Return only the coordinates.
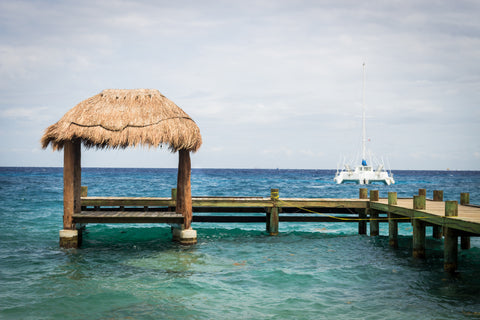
(127, 201)
(230, 219)
(281, 218)
(468, 218)
(127, 217)
(227, 202)
(324, 203)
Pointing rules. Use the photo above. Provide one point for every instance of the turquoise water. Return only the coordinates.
(308, 271)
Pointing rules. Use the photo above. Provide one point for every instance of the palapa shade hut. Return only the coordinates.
(118, 118)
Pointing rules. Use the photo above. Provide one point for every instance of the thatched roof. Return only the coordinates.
(123, 118)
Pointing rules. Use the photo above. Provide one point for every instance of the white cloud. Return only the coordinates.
(285, 72)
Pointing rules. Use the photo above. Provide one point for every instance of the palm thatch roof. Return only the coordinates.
(117, 118)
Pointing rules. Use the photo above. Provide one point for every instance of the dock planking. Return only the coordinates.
(468, 219)
(456, 220)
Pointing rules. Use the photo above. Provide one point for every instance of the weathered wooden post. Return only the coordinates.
(272, 217)
(72, 182)
(392, 222)
(173, 206)
(185, 234)
(437, 195)
(450, 251)
(464, 198)
(362, 213)
(374, 225)
(419, 203)
(464, 240)
(363, 193)
(422, 192)
(437, 230)
(84, 191)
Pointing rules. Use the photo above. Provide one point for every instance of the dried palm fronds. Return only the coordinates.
(117, 118)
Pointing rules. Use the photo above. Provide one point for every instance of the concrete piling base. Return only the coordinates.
(70, 239)
(184, 236)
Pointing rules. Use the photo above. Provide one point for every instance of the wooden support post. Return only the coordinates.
(450, 251)
(464, 240)
(362, 224)
(422, 192)
(184, 193)
(392, 198)
(362, 213)
(363, 193)
(418, 238)
(419, 202)
(451, 209)
(174, 200)
(84, 191)
(272, 218)
(374, 225)
(185, 235)
(437, 195)
(72, 179)
(392, 223)
(464, 198)
(437, 230)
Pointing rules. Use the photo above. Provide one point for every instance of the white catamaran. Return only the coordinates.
(364, 173)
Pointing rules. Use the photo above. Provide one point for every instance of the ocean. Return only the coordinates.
(235, 271)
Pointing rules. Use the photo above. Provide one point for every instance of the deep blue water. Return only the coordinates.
(308, 271)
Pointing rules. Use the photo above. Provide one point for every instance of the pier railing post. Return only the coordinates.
(363, 193)
(464, 240)
(422, 192)
(84, 191)
(419, 202)
(437, 230)
(272, 216)
(450, 251)
(174, 200)
(392, 222)
(437, 195)
(374, 225)
(464, 198)
(362, 213)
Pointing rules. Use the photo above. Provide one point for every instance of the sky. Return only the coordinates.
(271, 84)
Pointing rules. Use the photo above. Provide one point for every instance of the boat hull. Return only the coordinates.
(364, 175)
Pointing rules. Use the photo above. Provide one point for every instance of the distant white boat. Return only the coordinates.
(364, 173)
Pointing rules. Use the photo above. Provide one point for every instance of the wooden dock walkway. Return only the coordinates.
(448, 218)
(467, 220)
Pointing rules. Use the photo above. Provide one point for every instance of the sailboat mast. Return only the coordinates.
(364, 159)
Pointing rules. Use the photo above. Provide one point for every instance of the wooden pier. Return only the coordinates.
(448, 218)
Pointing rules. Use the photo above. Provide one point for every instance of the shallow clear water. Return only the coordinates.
(308, 271)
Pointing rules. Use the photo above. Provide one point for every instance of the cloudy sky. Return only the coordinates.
(271, 84)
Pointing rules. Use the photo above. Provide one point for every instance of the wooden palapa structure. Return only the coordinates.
(118, 118)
